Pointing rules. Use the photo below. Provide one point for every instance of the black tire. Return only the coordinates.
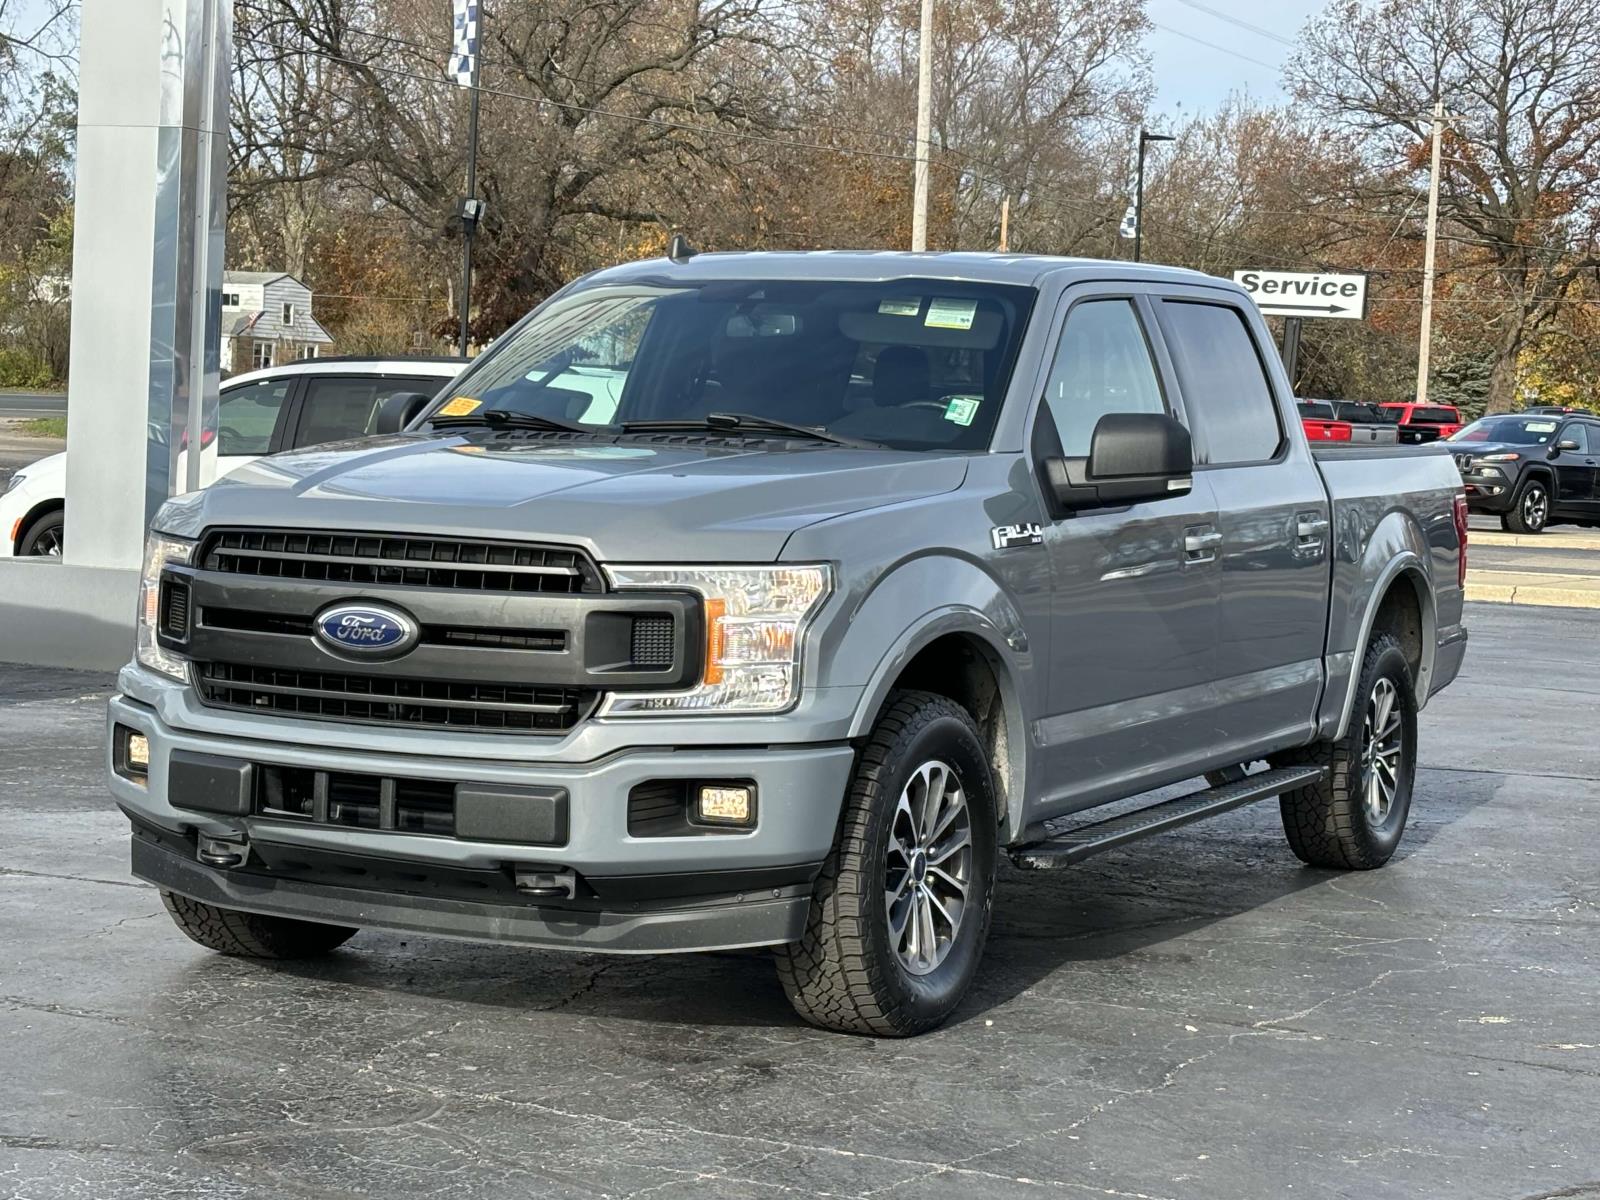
(1530, 511)
(251, 935)
(1330, 824)
(847, 973)
(43, 537)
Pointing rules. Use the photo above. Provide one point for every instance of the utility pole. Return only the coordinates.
(919, 201)
(471, 210)
(1426, 337)
(1138, 189)
(1005, 223)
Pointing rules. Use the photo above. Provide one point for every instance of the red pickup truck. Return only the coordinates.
(1420, 423)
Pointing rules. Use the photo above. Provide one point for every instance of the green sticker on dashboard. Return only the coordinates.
(961, 409)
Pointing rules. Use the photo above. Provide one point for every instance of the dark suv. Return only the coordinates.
(1531, 469)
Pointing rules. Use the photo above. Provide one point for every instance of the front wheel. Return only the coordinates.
(44, 537)
(1353, 818)
(252, 935)
(901, 909)
(1530, 513)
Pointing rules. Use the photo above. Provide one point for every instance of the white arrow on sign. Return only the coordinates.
(1306, 293)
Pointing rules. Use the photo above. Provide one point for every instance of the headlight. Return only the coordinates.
(158, 552)
(1499, 457)
(15, 481)
(755, 623)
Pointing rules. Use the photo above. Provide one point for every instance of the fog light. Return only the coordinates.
(138, 752)
(725, 804)
(130, 754)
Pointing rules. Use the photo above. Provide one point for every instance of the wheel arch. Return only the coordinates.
(1400, 602)
(43, 508)
(959, 653)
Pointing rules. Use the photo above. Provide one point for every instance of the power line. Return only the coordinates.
(1232, 20)
(1200, 41)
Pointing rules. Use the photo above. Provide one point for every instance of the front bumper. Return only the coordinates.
(1488, 493)
(633, 894)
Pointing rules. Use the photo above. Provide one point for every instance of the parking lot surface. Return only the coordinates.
(1192, 1016)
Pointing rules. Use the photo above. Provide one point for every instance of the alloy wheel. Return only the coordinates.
(1535, 507)
(1382, 744)
(47, 544)
(929, 867)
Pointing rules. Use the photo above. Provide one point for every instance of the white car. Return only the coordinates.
(280, 408)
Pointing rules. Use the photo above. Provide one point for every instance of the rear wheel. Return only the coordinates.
(901, 909)
(252, 935)
(1354, 818)
(1530, 512)
(43, 537)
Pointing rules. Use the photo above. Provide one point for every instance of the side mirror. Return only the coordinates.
(1566, 444)
(398, 411)
(1132, 457)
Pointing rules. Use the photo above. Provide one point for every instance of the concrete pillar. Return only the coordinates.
(147, 266)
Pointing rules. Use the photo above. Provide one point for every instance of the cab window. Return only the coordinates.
(1102, 366)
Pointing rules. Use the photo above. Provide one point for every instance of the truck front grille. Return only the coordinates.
(392, 700)
(407, 561)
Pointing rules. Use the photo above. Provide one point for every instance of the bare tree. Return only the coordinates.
(1521, 177)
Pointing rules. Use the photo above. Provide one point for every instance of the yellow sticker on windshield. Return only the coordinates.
(950, 314)
(460, 406)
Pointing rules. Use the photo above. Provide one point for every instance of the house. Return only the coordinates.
(267, 321)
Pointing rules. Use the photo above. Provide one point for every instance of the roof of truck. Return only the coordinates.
(1026, 269)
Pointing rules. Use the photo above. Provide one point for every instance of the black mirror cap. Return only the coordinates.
(398, 411)
(1133, 457)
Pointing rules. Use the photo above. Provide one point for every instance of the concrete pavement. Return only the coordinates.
(1196, 1017)
(1560, 568)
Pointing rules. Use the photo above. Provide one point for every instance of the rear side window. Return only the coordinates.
(1434, 416)
(1225, 389)
(1102, 366)
(338, 407)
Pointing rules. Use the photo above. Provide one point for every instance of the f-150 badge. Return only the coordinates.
(1007, 536)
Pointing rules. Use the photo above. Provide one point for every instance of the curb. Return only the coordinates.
(1535, 594)
(1543, 541)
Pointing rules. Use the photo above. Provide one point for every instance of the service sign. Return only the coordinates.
(1306, 293)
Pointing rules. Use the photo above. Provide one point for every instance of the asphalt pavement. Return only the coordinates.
(1196, 1016)
(32, 404)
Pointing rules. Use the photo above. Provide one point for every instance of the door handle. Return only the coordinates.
(1310, 528)
(1200, 544)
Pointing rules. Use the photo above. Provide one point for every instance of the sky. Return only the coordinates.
(1193, 77)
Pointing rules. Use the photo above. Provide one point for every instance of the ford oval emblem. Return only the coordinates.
(366, 630)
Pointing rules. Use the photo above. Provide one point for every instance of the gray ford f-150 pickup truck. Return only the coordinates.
(765, 600)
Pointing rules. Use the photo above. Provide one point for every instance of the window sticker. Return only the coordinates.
(901, 307)
(460, 406)
(1540, 426)
(961, 409)
(950, 314)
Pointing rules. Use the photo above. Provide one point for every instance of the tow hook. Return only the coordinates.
(223, 852)
(546, 882)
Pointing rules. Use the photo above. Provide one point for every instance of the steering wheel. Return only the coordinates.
(228, 431)
(936, 405)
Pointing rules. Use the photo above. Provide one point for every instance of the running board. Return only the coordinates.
(1077, 844)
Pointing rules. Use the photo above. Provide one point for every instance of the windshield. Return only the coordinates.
(912, 364)
(1518, 431)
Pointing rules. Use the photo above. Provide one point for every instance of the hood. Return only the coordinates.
(635, 501)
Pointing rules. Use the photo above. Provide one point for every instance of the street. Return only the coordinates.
(1192, 1016)
(32, 404)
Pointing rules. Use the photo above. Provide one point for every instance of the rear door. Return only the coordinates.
(1272, 512)
(335, 408)
(1134, 589)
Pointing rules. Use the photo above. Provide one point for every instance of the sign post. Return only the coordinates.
(1295, 295)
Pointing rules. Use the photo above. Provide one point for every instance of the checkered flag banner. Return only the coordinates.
(464, 49)
(1130, 223)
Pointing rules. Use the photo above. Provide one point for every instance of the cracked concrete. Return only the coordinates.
(1188, 1018)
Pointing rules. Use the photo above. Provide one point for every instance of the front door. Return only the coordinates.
(1575, 469)
(1133, 619)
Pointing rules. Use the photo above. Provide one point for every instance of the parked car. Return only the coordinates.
(884, 564)
(1321, 423)
(1366, 421)
(1418, 424)
(1532, 470)
(260, 412)
(1559, 409)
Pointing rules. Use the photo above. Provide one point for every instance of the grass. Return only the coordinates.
(42, 427)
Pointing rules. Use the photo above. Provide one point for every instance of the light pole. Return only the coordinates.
(919, 199)
(1138, 188)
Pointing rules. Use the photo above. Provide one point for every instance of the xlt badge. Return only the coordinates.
(1007, 536)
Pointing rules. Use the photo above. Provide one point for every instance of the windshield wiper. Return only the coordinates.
(505, 418)
(739, 422)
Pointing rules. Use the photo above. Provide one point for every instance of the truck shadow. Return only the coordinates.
(1122, 908)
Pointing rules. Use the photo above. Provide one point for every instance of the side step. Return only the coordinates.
(1077, 844)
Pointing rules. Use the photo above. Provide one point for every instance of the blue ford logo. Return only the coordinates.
(366, 630)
